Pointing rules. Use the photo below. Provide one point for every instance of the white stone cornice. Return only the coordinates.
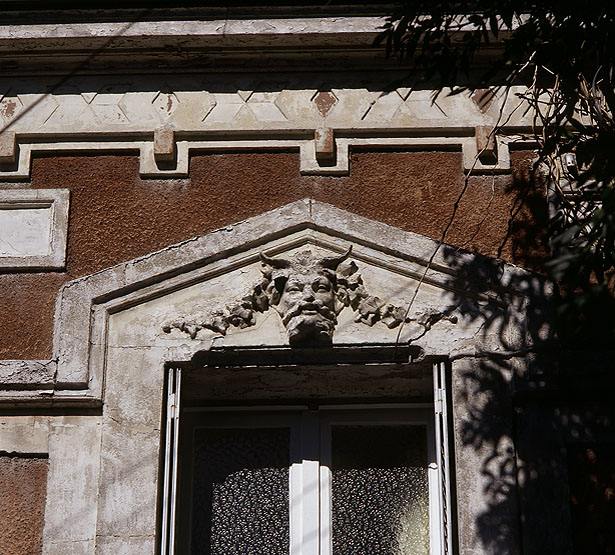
(312, 31)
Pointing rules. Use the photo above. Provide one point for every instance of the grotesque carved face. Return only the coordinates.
(303, 291)
(307, 308)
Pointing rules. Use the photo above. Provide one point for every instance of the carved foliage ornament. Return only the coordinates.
(308, 292)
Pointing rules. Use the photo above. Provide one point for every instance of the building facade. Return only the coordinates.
(260, 295)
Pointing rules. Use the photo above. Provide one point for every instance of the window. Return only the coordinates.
(324, 478)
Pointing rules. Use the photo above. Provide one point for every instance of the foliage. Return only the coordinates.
(563, 56)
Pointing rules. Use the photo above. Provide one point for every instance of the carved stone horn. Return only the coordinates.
(332, 262)
(279, 263)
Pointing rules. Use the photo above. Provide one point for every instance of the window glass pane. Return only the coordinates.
(380, 490)
(240, 491)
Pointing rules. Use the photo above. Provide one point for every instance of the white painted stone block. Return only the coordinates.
(72, 484)
(25, 231)
(33, 228)
(24, 434)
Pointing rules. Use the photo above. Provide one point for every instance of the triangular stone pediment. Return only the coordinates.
(256, 283)
(369, 293)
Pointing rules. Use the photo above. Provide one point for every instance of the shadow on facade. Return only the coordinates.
(540, 418)
(487, 388)
(487, 429)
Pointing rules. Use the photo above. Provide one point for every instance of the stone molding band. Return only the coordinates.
(154, 164)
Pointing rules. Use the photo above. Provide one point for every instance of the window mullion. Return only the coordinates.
(169, 500)
(442, 456)
(310, 494)
(305, 508)
(326, 537)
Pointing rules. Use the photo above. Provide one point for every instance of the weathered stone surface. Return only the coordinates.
(446, 301)
(27, 373)
(432, 321)
(164, 145)
(113, 320)
(8, 141)
(486, 144)
(175, 211)
(486, 472)
(24, 434)
(104, 464)
(226, 111)
(86, 547)
(72, 492)
(126, 545)
(324, 144)
(131, 443)
(308, 292)
(270, 384)
(25, 231)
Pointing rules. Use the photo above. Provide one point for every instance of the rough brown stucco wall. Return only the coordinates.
(23, 486)
(115, 215)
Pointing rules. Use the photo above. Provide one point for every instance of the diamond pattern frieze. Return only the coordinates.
(164, 104)
(324, 102)
(262, 105)
(72, 110)
(245, 108)
(39, 109)
(123, 111)
(207, 104)
(423, 106)
(298, 107)
(225, 109)
(483, 98)
(191, 108)
(137, 108)
(105, 104)
(351, 105)
(404, 107)
(383, 107)
(10, 106)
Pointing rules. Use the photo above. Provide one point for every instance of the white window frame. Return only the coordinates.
(310, 479)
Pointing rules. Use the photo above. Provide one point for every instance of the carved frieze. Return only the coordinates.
(308, 292)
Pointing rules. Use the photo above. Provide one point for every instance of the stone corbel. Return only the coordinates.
(325, 155)
(8, 147)
(164, 145)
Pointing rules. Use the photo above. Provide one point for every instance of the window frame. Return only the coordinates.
(433, 415)
(405, 414)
